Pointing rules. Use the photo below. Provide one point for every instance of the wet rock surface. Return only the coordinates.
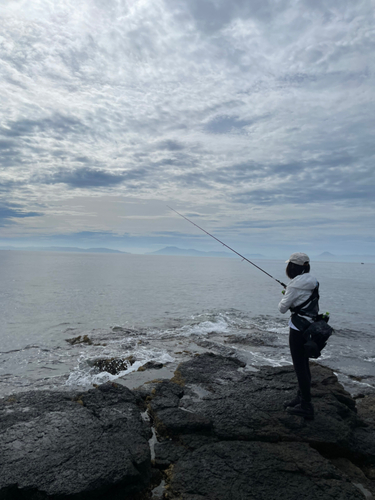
(84, 339)
(113, 365)
(249, 406)
(222, 434)
(242, 444)
(151, 365)
(56, 445)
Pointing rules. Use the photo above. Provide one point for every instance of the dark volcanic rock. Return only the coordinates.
(58, 445)
(249, 406)
(176, 421)
(235, 440)
(366, 409)
(169, 451)
(85, 339)
(364, 437)
(258, 471)
(113, 365)
(151, 365)
(223, 435)
(209, 368)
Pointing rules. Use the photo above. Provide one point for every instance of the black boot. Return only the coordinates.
(304, 409)
(294, 402)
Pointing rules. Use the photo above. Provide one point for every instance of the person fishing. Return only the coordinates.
(301, 297)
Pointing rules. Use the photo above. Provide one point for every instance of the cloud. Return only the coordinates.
(86, 235)
(8, 154)
(86, 177)
(213, 15)
(6, 145)
(222, 106)
(193, 214)
(11, 211)
(55, 125)
(226, 124)
(171, 145)
(279, 223)
(333, 176)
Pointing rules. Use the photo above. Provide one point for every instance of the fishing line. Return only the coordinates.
(231, 249)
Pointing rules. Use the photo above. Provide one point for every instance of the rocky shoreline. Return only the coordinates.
(214, 431)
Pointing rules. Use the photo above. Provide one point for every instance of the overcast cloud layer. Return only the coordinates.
(254, 117)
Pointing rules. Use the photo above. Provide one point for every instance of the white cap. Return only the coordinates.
(299, 258)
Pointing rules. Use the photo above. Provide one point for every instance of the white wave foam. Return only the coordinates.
(201, 326)
(278, 329)
(206, 327)
(260, 359)
(87, 378)
(85, 375)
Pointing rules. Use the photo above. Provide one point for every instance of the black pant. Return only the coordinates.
(300, 363)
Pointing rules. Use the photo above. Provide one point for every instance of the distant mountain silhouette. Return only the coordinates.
(197, 253)
(188, 252)
(65, 249)
(328, 256)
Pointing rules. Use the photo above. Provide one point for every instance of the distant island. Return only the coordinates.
(323, 257)
(329, 257)
(64, 249)
(198, 253)
(191, 252)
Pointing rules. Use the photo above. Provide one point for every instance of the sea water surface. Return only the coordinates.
(166, 309)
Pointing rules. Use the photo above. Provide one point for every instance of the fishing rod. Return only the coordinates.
(217, 239)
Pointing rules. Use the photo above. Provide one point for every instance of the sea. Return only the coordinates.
(166, 309)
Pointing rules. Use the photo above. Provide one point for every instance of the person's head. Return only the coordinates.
(298, 263)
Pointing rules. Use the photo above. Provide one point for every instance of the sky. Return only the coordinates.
(254, 118)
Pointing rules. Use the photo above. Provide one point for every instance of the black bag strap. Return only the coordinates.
(314, 295)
